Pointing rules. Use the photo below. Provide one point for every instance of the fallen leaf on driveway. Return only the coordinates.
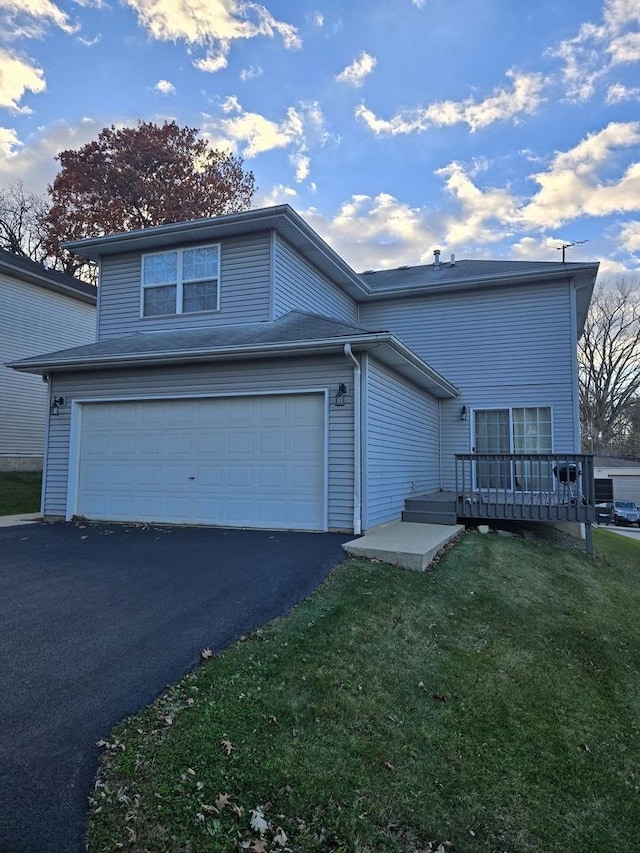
(206, 653)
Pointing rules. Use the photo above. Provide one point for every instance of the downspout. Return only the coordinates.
(357, 445)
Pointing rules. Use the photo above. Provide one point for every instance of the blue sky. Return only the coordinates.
(497, 129)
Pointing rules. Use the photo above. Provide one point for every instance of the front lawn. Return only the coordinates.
(20, 492)
(492, 703)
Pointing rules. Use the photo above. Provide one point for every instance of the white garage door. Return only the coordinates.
(237, 462)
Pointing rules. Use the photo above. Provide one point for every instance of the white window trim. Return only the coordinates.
(179, 282)
(472, 422)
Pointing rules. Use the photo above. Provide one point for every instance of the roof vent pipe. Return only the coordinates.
(436, 259)
(453, 260)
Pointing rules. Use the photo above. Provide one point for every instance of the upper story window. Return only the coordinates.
(181, 281)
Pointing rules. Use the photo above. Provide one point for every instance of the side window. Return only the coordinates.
(183, 281)
(159, 284)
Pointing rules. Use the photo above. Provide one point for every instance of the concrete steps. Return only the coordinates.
(439, 508)
(402, 543)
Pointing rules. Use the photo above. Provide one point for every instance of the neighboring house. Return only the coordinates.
(39, 310)
(244, 375)
(624, 474)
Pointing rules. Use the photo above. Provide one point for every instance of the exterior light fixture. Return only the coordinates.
(341, 393)
(463, 413)
(57, 404)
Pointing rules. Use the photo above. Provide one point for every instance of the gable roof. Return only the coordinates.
(294, 334)
(369, 285)
(38, 275)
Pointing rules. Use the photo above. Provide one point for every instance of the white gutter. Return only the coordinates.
(357, 445)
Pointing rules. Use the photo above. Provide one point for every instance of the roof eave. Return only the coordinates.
(46, 282)
(281, 218)
(478, 282)
(387, 348)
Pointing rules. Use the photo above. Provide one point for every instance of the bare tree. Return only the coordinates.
(609, 362)
(23, 230)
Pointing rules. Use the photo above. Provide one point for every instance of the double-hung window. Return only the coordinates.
(181, 281)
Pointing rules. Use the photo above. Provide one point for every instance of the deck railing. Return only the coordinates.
(525, 486)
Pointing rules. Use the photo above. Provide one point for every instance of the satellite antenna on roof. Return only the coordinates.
(566, 246)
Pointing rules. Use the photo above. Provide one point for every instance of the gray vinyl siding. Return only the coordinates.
(503, 347)
(280, 375)
(244, 291)
(33, 321)
(402, 444)
(298, 286)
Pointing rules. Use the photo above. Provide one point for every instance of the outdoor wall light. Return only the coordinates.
(341, 393)
(57, 404)
(463, 413)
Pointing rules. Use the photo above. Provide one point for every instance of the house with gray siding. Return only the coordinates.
(39, 310)
(245, 375)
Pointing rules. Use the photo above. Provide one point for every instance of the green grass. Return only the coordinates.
(19, 492)
(493, 703)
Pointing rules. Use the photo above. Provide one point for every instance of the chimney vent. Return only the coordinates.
(436, 259)
(453, 260)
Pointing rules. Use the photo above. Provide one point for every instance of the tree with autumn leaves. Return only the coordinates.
(125, 179)
(136, 177)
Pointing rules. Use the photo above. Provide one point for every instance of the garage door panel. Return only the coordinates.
(246, 461)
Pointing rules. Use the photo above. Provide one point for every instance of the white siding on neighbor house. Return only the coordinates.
(502, 347)
(33, 321)
(282, 376)
(626, 481)
(298, 286)
(402, 443)
(244, 291)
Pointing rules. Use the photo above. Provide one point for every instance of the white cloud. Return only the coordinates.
(585, 55)
(211, 24)
(523, 98)
(378, 232)
(419, 4)
(252, 134)
(9, 143)
(18, 76)
(618, 93)
(38, 13)
(572, 187)
(625, 49)
(251, 73)
(165, 87)
(483, 216)
(356, 73)
(34, 158)
(630, 236)
(279, 194)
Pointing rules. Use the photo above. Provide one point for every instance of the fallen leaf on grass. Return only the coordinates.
(280, 838)
(222, 800)
(258, 821)
(227, 746)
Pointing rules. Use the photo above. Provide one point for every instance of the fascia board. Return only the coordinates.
(420, 371)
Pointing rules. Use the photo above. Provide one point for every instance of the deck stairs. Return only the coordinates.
(437, 508)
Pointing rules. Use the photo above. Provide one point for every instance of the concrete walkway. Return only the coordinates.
(23, 518)
(404, 543)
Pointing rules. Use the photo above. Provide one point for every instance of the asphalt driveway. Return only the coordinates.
(96, 622)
